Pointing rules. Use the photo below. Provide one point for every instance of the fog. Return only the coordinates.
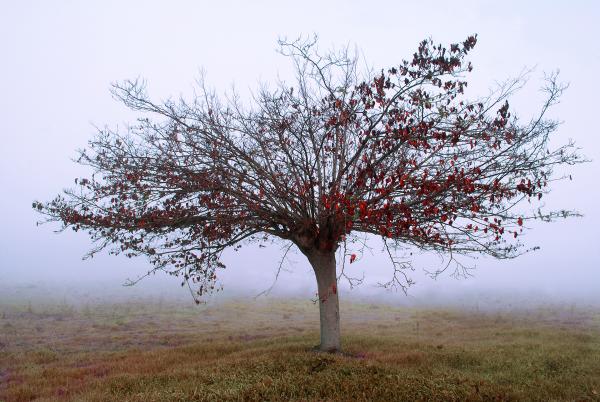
(58, 60)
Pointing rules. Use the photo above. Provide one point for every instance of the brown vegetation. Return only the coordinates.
(248, 350)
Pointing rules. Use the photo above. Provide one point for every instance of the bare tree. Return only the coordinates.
(398, 154)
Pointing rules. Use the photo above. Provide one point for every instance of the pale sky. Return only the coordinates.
(58, 59)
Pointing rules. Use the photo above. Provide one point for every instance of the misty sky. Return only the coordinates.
(58, 59)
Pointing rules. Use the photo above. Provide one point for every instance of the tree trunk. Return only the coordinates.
(324, 267)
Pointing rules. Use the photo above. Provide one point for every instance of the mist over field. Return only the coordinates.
(485, 290)
(59, 60)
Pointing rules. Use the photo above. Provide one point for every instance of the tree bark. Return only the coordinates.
(323, 264)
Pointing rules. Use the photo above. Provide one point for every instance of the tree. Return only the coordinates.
(399, 154)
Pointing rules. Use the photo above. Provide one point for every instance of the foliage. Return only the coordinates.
(399, 153)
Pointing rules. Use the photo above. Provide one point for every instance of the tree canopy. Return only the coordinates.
(398, 153)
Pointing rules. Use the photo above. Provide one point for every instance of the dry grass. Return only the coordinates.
(247, 350)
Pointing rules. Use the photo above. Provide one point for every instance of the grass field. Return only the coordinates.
(249, 350)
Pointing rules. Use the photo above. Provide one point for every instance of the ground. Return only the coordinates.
(149, 350)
